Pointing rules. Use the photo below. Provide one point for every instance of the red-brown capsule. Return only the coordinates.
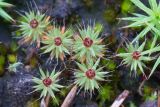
(136, 55)
(87, 42)
(34, 23)
(58, 41)
(90, 73)
(47, 81)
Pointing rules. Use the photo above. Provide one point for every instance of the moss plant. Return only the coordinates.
(47, 84)
(58, 42)
(127, 6)
(11, 58)
(89, 75)
(107, 93)
(13, 67)
(88, 44)
(149, 20)
(33, 26)
(3, 13)
(136, 56)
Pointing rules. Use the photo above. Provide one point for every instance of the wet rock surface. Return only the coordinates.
(149, 104)
(15, 89)
(5, 36)
(83, 101)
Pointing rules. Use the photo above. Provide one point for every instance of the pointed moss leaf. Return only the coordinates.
(155, 66)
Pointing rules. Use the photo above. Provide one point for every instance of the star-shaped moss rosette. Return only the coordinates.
(88, 76)
(88, 44)
(3, 13)
(33, 26)
(58, 42)
(150, 20)
(136, 56)
(47, 84)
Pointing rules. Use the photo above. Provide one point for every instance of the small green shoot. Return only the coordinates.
(87, 44)
(47, 84)
(58, 43)
(89, 75)
(149, 20)
(136, 56)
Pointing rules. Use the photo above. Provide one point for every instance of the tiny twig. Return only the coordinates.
(119, 100)
(140, 87)
(70, 97)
